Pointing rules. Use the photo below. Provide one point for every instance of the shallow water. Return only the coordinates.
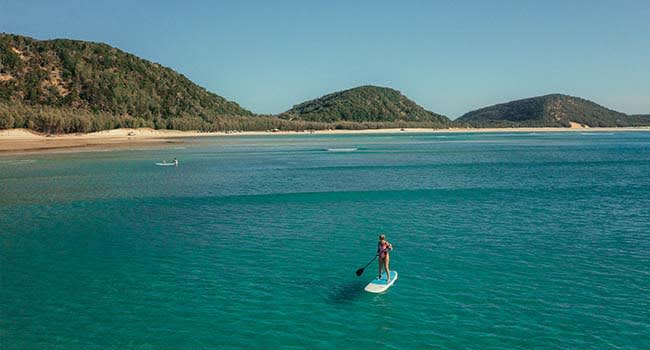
(501, 241)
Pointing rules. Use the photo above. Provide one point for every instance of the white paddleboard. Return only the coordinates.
(379, 285)
(165, 164)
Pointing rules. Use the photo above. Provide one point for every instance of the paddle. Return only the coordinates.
(360, 271)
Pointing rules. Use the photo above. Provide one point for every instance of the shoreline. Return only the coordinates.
(18, 141)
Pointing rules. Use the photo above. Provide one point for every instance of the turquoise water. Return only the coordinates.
(517, 241)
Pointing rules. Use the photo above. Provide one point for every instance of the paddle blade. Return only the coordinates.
(360, 271)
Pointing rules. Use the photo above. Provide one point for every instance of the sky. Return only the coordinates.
(451, 57)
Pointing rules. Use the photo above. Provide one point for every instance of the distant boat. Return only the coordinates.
(341, 149)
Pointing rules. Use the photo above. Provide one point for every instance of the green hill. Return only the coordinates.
(554, 110)
(365, 104)
(77, 86)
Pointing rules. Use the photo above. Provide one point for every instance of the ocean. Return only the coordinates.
(501, 241)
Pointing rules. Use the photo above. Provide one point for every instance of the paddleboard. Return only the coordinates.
(165, 164)
(379, 285)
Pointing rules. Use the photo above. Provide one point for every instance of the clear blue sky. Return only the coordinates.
(448, 56)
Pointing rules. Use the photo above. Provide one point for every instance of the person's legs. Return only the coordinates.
(387, 267)
(381, 264)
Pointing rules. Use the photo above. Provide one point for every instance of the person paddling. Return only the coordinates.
(175, 161)
(383, 252)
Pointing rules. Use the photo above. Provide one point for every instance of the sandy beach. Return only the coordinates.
(26, 141)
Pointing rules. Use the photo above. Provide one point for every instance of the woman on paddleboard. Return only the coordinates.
(383, 250)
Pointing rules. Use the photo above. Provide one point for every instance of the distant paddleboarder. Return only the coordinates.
(383, 252)
(175, 161)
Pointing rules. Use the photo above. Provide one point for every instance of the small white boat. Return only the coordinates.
(341, 149)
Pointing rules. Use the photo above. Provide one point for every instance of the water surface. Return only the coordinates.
(520, 241)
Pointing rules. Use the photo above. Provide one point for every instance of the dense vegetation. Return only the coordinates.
(549, 111)
(78, 86)
(640, 119)
(57, 120)
(365, 104)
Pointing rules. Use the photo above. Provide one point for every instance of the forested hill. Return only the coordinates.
(554, 110)
(365, 104)
(71, 85)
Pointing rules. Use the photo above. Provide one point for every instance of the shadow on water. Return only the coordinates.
(346, 293)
